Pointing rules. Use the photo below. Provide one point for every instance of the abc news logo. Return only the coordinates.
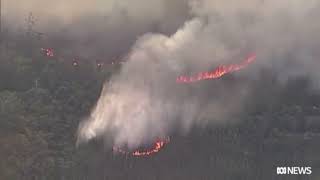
(294, 170)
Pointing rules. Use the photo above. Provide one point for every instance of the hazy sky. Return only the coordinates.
(69, 10)
(100, 28)
(61, 8)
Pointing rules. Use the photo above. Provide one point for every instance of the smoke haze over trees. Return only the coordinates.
(240, 126)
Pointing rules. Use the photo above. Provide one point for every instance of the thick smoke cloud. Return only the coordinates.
(163, 39)
(143, 102)
(282, 33)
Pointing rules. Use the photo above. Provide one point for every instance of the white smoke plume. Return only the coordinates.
(143, 101)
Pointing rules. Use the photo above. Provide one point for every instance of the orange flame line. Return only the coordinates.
(218, 72)
(158, 145)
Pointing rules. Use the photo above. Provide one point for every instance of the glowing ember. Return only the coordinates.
(157, 146)
(218, 72)
(48, 52)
